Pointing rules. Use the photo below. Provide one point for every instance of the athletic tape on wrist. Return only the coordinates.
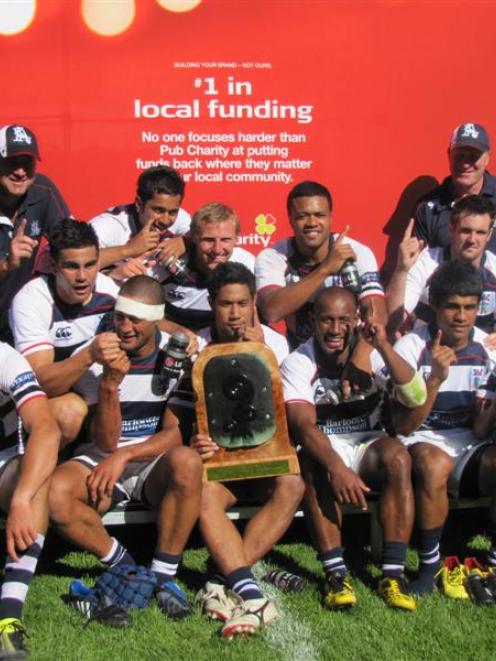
(413, 393)
(143, 311)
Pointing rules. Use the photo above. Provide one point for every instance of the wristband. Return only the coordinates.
(413, 393)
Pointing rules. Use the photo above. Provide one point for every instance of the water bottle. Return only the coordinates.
(285, 581)
(335, 395)
(178, 269)
(350, 277)
(175, 355)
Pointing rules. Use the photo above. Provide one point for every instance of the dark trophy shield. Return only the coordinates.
(240, 405)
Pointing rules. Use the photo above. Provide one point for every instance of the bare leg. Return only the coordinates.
(432, 468)
(221, 536)
(8, 483)
(272, 520)
(386, 467)
(69, 411)
(70, 511)
(178, 475)
(20, 570)
(324, 512)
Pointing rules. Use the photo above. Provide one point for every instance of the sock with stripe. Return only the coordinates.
(118, 555)
(243, 583)
(332, 562)
(18, 576)
(393, 559)
(165, 565)
(429, 560)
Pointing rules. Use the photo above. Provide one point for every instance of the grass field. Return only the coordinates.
(440, 629)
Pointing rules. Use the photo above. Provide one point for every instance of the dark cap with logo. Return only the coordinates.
(16, 140)
(470, 135)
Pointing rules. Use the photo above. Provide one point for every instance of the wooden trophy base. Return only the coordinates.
(240, 406)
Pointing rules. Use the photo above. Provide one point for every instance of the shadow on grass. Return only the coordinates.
(460, 531)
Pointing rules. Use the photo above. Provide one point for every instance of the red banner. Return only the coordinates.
(246, 98)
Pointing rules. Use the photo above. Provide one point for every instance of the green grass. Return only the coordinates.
(440, 629)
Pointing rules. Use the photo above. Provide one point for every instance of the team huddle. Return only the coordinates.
(389, 388)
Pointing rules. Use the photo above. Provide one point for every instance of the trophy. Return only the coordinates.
(239, 404)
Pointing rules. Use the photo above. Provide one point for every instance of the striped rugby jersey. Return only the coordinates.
(118, 225)
(454, 405)
(418, 281)
(282, 265)
(142, 394)
(18, 385)
(40, 320)
(187, 302)
(305, 379)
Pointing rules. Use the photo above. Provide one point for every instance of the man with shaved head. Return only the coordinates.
(346, 451)
(133, 452)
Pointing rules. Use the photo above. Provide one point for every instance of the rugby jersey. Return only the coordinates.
(306, 378)
(117, 225)
(142, 393)
(187, 303)
(418, 281)
(18, 385)
(454, 405)
(40, 320)
(282, 265)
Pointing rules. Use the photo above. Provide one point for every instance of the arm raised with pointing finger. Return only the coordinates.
(276, 303)
(408, 254)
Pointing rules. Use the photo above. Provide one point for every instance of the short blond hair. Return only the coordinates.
(213, 213)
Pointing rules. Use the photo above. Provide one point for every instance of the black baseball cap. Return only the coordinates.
(470, 135)
(16, 140)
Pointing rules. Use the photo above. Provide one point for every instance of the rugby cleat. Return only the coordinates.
(249, 616)
(339, 593)
(395, 593)
(12, 635)
(476, 582)
(172, 601)
(451, 578)
(217, 603)
(94, 608)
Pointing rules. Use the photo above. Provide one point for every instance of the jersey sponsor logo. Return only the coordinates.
(448, 419)
(34, 229)
(20, 135)
(22, 379)
(63, 332)
(176, 295)
(487, 303)
(478, 376)
(140, 425)
(346, 426)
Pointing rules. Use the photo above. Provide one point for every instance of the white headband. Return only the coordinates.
(139, 310)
